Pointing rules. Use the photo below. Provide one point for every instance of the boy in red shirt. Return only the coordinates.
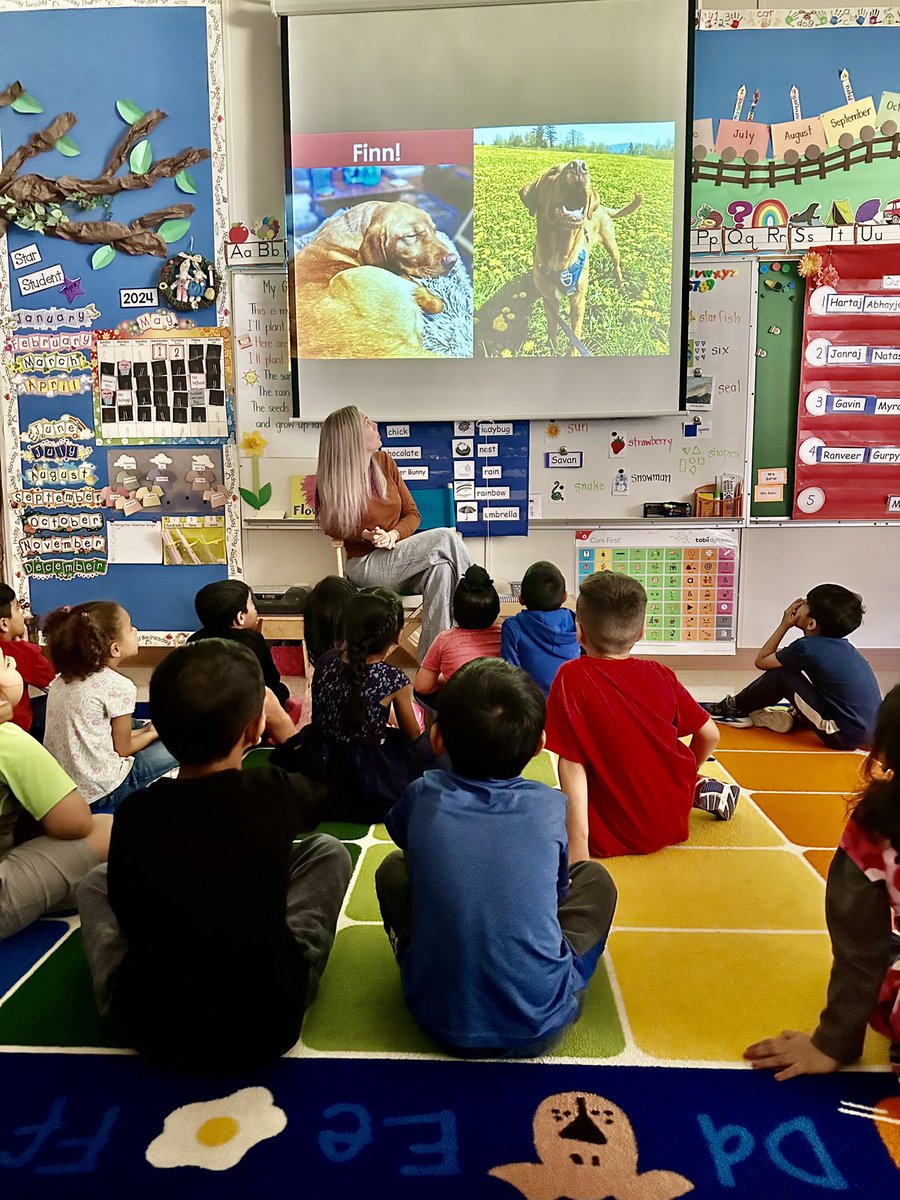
(615, 722)
(32, 665)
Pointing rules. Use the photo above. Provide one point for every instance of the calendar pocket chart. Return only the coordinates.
(175, 387)
(690, 577)
(847, 463)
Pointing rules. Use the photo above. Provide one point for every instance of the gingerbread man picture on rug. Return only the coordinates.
(587, 1150)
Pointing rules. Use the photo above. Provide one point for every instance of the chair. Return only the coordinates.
(412, 607)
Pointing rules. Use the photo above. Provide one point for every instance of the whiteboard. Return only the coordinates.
(659, 461)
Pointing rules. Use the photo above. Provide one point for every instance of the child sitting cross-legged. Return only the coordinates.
(226, 609)
(615, 722)
(208, 931)
(91, 730)
(495, 934)
(541, 637)
(474, 634)
(30, 661)
(349, 746)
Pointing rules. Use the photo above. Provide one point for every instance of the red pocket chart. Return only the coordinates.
(848, 428)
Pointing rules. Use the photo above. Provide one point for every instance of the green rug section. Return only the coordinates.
(363, 903)
(541, 770)
(360, 1004)
(363, 979)
(55, 1006)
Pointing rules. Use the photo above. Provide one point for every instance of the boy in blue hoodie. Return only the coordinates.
(543, 637)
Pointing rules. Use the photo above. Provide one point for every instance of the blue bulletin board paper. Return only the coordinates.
(84, 59)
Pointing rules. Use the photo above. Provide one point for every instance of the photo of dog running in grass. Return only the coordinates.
(582, 221)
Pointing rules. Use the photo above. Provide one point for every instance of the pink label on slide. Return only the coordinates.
(382, 148)
(724, 607)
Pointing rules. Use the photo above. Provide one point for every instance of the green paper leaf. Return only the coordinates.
(141, 157)
(102, 257)
(173, 231)
(66, 146)
(251, 498)
(265, 494)
(184, 181)
(26, 103)
(129, 111)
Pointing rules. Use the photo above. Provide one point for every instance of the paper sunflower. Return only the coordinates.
(810, 264)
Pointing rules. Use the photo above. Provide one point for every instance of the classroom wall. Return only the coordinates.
(779, 563)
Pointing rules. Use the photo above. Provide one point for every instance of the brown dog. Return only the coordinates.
(570, 220)
(362, 312)
(396, 236)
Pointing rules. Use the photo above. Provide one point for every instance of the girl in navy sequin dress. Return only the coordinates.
(349, 744)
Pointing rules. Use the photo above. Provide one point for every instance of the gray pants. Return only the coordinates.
(320, 869)
(431, 563)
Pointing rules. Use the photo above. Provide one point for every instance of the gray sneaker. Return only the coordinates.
(779, 720)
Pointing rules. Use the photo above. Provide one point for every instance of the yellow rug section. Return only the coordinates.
(764, 739)
(764, 771)
(704, 997)
(807, 818)
(717, 890)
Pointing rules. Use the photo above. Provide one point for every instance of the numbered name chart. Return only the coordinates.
(690, 577)
(848, 428)
(172, 387)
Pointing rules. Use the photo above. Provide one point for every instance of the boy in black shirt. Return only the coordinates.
(226, 609)
(210, 927)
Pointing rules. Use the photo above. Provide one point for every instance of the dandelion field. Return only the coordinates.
(630, 324)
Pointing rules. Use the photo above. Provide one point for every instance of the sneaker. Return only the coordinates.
(717, 798)
(779, 720)
(725, 712)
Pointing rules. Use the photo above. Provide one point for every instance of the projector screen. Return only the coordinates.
(485, 209)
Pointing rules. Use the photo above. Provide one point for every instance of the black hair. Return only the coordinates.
(372, 621)
(610, 610)
(837, 610)
(543, 587)
(202, 698)
(491, 716)
(476, 604)
(877, 807)
(218, 604)
(323, 614)
(7, 597)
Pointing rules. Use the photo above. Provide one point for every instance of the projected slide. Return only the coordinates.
(531, 241)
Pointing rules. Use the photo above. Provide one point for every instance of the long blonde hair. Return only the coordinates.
(347, 476)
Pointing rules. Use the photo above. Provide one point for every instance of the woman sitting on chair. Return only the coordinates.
(361, 498)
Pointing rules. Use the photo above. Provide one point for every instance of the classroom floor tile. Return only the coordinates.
(713, 889)
(703, 997)
(598, 1032)
(748, 828)
(807, 818)
(542, 769)
(822, 771)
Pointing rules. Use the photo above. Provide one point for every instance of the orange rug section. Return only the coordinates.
(823, 771)
(764, 739)
(808, 818)
(820, 859)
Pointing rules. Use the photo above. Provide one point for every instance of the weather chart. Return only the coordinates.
(690, 577)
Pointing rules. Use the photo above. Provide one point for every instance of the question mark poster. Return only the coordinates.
(797, 121)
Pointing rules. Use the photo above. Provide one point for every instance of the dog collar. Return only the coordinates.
(570, 276)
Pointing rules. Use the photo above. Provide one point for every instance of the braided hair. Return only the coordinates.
(372, 622)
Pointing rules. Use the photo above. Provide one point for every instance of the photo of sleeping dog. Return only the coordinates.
(574, 240)
(386, 273)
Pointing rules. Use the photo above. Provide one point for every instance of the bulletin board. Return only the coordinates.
(593, 470)
(119, 469)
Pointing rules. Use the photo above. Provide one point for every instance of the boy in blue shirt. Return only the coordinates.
(495, 934)
(829, 685)
(543, 637)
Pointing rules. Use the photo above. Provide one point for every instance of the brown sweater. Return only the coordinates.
(397, 511)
